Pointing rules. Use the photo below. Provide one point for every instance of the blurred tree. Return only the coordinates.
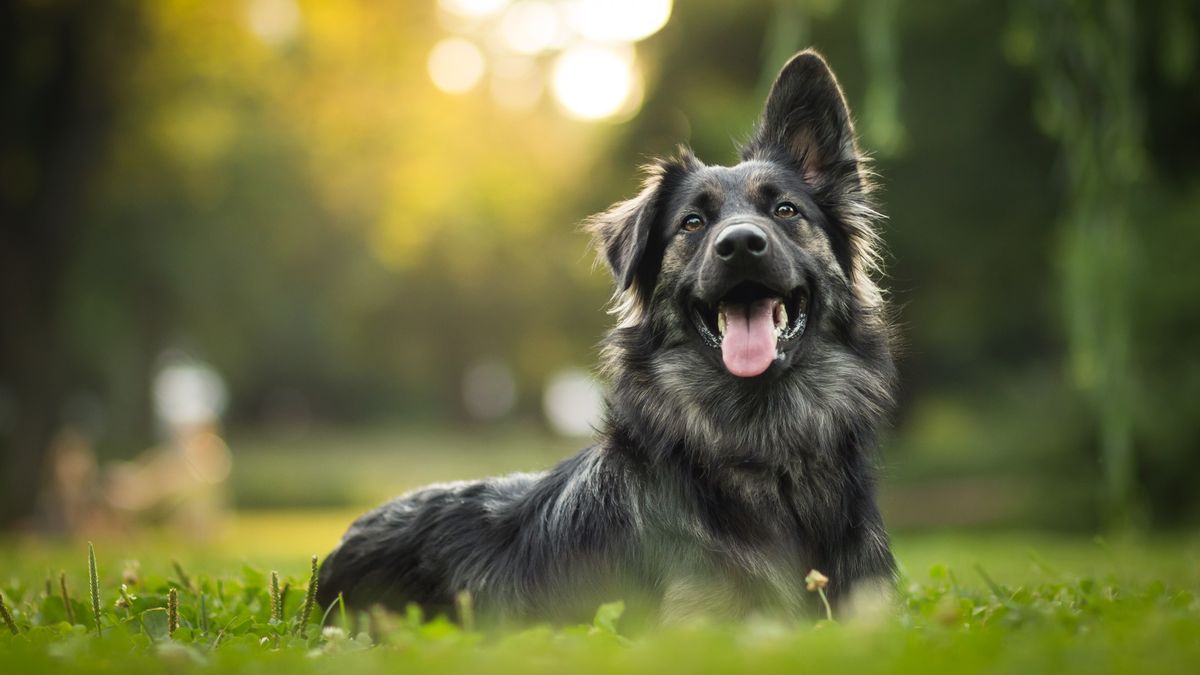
(62, 70)
(1086, 59)
(1092, 61)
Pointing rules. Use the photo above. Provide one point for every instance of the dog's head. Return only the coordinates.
(750, 271)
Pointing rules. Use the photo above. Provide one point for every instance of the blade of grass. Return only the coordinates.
(184, 579)
(7, 617)
(992, 585)
(276, 599)
(94, 586)
(203, 615)
(283, 595)
(172, 612)
(327, 612)
(310, 598)
(66, 597)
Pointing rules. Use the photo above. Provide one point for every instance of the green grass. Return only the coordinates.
(1004, 602)
(333, 467)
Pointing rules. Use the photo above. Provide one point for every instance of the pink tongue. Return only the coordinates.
(749, 344)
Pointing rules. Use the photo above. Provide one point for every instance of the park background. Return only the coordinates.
(266, 263)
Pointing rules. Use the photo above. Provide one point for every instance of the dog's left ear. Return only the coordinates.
(624, 234)
(806, 123)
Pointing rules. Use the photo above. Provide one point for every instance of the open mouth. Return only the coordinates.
(749, 322)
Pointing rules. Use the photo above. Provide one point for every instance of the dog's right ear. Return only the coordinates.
(623, 234)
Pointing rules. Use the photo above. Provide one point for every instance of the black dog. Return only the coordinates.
(749, 369)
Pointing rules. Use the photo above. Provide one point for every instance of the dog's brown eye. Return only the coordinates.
(691, 223)
(786, 210)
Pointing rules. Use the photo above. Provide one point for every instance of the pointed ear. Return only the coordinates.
(806, 122)
(623, 234)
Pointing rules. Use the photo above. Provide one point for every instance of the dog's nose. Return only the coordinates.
(741, 241)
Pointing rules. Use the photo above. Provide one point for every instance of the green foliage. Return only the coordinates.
(942, 623)
(1085, 57)
(341, 241)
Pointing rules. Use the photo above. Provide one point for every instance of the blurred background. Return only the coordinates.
(294, 257)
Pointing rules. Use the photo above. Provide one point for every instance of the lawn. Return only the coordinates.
(983, 602)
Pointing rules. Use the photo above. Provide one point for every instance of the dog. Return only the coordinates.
(749, 369)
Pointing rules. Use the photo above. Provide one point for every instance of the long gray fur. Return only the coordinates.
(705, 493)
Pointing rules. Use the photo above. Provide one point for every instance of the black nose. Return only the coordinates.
(741, 241)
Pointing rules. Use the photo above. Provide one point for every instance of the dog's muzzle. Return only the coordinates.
(751, 302)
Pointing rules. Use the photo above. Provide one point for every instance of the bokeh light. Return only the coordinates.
(476, 9)
(188, 392)
(594, 82)
(273, 21)
(532, 27)
(618, 20)
(584, 49)
(573, 402)
(456, 65)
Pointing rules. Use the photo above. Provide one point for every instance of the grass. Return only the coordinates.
(240, 600)
(369, 465)
(1001, 602)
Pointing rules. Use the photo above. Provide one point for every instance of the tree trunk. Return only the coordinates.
(57, 70)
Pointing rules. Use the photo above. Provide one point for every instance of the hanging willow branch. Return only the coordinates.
(1084, 56)
(882, 128)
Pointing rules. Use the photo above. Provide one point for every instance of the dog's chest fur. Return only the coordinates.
(732, 539)
(724, 544)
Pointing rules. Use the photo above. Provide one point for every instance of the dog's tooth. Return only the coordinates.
(721, 320)
(781, 321)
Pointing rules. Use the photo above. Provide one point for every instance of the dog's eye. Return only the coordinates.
(691, 223)
(786, 210)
